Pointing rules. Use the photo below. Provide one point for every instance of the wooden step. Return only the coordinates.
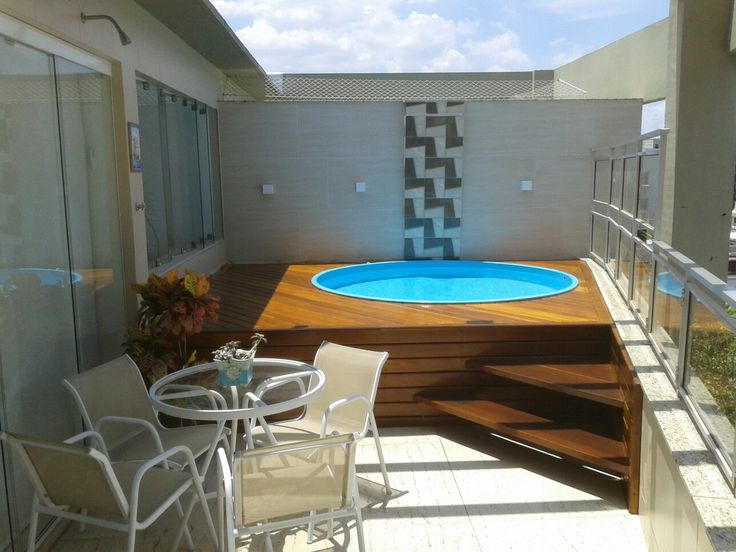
(593, 381)
(576, 441)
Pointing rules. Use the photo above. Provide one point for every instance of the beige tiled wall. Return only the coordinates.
(312, 153)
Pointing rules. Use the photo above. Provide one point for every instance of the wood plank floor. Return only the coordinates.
(281, 297)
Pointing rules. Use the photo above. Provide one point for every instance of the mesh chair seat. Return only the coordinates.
(351, 384)
(81, 484)
(157, 482)
(289, 485)
(196, 438)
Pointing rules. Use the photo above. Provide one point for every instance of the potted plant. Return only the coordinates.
(172, 308)
(234, 364)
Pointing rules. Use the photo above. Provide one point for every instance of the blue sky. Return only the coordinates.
(323, 36)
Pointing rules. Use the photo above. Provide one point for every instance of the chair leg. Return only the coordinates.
(358, 516)
(187, 534)
(131, 537)
(183, 526)
(381, 460)
(269, 543)
(33, 525)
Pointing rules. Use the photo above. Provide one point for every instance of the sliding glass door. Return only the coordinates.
(61, 288)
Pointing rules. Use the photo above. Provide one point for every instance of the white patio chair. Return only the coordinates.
(113, 401)
(344, 406)
(81, 484)
(286, 486)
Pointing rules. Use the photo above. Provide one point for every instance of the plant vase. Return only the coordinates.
(235, 372)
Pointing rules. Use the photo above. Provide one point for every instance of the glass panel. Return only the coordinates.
(630, 172)
(710, 376)
(602, 189)
(617, 178)
(648, 188)
(205, 174)
(642, 281)
(37, 340)
(600, 227)
(624, 263)
(186, 201)
(92, 210)
(668, 317)
(156, 191)
(215, 164)
(612, 247)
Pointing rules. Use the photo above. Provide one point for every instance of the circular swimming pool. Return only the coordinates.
(444, 281)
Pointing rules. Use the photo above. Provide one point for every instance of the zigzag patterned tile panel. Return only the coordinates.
(433, 173)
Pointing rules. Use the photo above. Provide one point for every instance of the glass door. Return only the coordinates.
(61, 289)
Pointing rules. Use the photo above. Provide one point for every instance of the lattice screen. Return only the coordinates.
(291, 88)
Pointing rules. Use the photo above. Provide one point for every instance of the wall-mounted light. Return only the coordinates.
(124, 38)
(267, 189)
(526, 185)
(360, 187)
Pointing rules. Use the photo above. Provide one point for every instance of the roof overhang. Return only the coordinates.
(198, 23)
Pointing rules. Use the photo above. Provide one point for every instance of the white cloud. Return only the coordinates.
(369, 36)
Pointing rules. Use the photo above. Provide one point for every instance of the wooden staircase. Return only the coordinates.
(583, 409)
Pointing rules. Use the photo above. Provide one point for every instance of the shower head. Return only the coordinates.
(124, 38)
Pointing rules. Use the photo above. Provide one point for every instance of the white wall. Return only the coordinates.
(312, 153)
(155, 52)
(548, 142)
(632, 67)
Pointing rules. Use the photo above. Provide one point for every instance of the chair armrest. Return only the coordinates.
(335, 405)
(278, 381)
(147, 426)
(162, 459)
(100, 442)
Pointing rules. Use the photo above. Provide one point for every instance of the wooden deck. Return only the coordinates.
(281, 297)
(546, 371)
(429, 345)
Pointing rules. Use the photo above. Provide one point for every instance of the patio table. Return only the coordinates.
(195, 393)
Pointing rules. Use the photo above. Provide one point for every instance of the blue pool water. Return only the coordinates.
(444, 281)
(47, 277)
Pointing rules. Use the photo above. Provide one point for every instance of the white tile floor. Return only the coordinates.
(457, 489)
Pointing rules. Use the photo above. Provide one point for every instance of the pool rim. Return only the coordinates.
(575, 282)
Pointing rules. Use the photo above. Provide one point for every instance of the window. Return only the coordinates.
(181, 176)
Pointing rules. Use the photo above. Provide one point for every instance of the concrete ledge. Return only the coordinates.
(695, 465)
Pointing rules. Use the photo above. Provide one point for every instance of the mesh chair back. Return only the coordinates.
(292, 480)
(348, 371)
(72, 476)
(115, 388)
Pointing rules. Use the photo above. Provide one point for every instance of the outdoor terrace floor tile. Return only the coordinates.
(456, 488)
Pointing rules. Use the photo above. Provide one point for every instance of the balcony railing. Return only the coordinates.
(688, 314)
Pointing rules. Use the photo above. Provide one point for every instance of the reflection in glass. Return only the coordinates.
(37, 340)
(612, 254)
(600, 228)
(667, 317)
(630, 173)
(85, 104)
(602, 184)
(642, 281)
(624, 263)
(617, 178)
(648, 188)
(710, 373)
